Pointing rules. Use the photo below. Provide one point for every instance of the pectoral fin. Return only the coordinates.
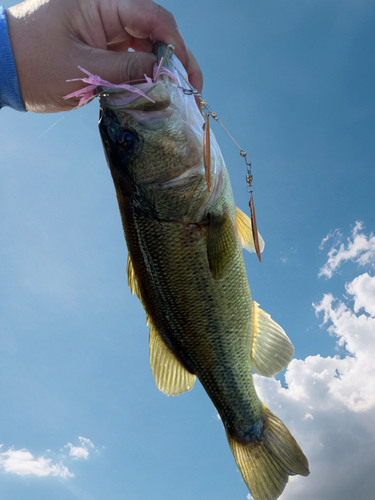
(132, 280)
(245, 232)
(133, 284)
(169, 374)
(221, 243)
(272, 350)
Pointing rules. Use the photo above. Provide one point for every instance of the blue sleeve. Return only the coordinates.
(10, 94)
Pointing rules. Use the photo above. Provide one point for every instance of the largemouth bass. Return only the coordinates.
(186, 266)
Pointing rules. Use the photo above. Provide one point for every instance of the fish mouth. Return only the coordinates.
(158, 98)
(120, 99)
(165, 52)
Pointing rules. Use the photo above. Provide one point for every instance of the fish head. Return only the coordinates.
(154, 145)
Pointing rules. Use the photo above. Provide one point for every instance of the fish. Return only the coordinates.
(185, 243)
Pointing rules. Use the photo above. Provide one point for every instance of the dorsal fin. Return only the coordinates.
(245, 232)
(221, 242)
(271, 350)
(169, 374)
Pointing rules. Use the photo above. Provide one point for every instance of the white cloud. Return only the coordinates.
(359, 248)
(363, 289)
(329, 402)
(82, 451)
(23, 463)
(331, 235)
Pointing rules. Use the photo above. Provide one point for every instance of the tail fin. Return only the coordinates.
(267, 463)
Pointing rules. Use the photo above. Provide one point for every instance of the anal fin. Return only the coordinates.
(245, 232)
(271, 350)
(169, 374)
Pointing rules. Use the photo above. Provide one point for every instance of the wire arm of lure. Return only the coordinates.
(207, 110)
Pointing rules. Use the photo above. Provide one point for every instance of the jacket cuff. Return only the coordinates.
(10, 94)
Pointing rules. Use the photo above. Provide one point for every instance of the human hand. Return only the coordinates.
(51, 38)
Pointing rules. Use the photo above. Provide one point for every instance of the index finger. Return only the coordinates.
(147, 19)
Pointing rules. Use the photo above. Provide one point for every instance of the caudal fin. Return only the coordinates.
(267, 463)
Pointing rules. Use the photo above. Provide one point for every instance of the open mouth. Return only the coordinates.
(153, 95)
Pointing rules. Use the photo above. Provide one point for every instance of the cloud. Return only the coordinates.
(328, 403)
(359, 248)
(23, 463)
(335, 233)
(363, 289)
(77, 452)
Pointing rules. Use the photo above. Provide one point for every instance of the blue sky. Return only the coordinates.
(81, 416)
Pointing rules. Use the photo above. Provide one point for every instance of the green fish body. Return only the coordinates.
(186, 266)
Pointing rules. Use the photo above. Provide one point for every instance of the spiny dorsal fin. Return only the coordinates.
(267, 463)
(272, 350)
(245, 232)
(169, 374)
(221, 242)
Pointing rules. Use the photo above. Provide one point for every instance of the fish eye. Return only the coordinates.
(125, 140)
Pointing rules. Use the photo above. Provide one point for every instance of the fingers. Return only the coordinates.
(133, 43)
(147, 22)
(118, 67)
(118, 47)
(148, 19)
(142, 45)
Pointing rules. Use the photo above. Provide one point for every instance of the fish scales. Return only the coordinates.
(188, 317)
(186, 265)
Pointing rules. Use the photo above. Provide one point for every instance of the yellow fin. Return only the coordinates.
(245, 232)
(132, 280)
(133, 284)
(221, 242)
(169, 374)
(267, 462)
(271, 350)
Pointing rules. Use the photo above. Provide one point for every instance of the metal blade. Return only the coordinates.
(254, 226)
(207, 152)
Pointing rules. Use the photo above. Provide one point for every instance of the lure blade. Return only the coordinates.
(207, 152)
(254, 226)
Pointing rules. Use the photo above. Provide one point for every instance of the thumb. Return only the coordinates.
(120, 67)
